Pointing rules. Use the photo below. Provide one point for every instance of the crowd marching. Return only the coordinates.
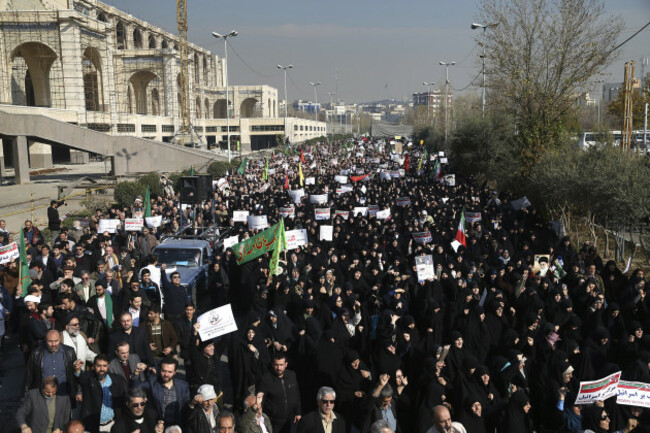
(417, 297)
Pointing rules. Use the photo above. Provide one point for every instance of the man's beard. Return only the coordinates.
(73, 333)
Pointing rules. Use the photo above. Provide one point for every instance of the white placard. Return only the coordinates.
(450, 179)
(310, 181)
(443, 160)
(288, 212)
(403, 201)
(343, 189)
(296, 238)
(598, 390)
(271, 171)
(341, 179)
(110, 226)
(424, 267)
(363, 211)
(326, 233)
(633, 393)
(334, 161)
(221, 184)
(472, 217)
(318, 198)
(154, 221)
(230, 241)
(385, 175)
(9, 253)
(344, 172)
(343, 214)
(296, 195)
(240, 216)
(257, 222)
(216, 322)
(441, 153)
(422, 237)
(383, 214)
(322, 214)
(133, 224)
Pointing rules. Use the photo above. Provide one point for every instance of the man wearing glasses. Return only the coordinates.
(324, 419)
(73, 337)
(138, 416)
(174, 294)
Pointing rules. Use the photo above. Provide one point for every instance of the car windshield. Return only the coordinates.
(179, 257)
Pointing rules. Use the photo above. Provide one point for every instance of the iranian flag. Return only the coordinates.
(460, 233)
(437, 171)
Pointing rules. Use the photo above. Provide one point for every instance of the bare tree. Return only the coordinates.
(540, 56)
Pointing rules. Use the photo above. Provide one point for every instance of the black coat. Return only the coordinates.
(281, 398)
(196, 421)
(311, 423)
(93, 394)
(127, 424)
(35, 369)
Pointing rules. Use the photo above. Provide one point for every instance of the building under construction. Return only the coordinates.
(87, 63)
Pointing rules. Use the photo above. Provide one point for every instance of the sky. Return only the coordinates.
(362, 50)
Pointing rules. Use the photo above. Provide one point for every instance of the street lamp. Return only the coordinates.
(428, 84)
(314, 85)
(232, 34)
(447, 65)
(331, 95)
(475, 26)
(286, 101)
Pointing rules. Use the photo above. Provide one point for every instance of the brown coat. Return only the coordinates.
(169, 337)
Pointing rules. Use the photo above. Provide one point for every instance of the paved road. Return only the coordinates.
(12, 374)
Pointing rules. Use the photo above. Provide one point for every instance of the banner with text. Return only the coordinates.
(216, 322)
(296, 238)
(133, 224)
(598, 390)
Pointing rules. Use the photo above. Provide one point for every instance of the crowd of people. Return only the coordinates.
(345, 337)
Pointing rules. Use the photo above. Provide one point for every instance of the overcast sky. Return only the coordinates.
(366, 44)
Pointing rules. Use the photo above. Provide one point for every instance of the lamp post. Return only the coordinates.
(286, 101)
(447, 65)
(428, 84)
(475, 26)
(331, 95)
(232, 34)
(314, 85)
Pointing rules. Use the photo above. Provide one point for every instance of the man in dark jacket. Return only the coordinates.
(53, 359)
(40, 407)
(136, 337)
(168, 394)
(384, 407)
(138, 415)
(201, 413)
(175, 295)
(315, 422)
(39, 323)
(53, 219)
(126, 364)
(205, 364)
(281, 395)
(102, 396)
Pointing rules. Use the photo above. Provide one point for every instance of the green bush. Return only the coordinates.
(219, 168)
(126, 192)
(152, 180)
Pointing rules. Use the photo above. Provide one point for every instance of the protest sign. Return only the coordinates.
(318, 198)
(257, 222)
(403, 201)
(450, 179)
(385, 176)
(383, 214)
(321, 214)
(155, 221)
(334, 161)
(310, 181)
(443, 160)
(296, 238)
(422, 237)
(344, 172)
(326, 233)
(373, 209)
(296, 195)
(363, 211)
(472, 217)
(598, 390)
(216, 322)
(230, 241)
(240, 216)
(9, 253)
(633, 393)
(133, 224)
(424, 267)
(288, 212)
(343, 189)
(110, 226)
(342, 213)
(341, 179)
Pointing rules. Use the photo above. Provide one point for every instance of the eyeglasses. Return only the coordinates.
(74, 325)
(141, 404)
(604, 417)
(328, 401)
(176, 276)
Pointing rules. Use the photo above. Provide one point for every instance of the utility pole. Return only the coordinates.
(628, 82)
(447, 65)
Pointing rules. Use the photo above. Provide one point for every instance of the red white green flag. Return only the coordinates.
(460, 233)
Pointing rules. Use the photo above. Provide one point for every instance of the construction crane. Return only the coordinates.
(186, 135)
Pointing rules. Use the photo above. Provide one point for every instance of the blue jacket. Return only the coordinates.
(154, 389)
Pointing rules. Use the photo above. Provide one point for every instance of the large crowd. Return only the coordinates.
(344, 337)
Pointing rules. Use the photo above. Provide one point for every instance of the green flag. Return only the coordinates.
(192, 171)
(25, 281)
(147, 203)
(238, 146)
(262, 243)
(280, 246)
(242, 167)
(265, 176)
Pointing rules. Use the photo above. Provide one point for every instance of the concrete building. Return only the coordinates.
(434, 99)
(92, 65)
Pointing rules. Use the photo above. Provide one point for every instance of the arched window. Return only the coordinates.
(165, 45)
(205, 71)
(137, 38)
(152, 42)
(120, 36)
(102, 17)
